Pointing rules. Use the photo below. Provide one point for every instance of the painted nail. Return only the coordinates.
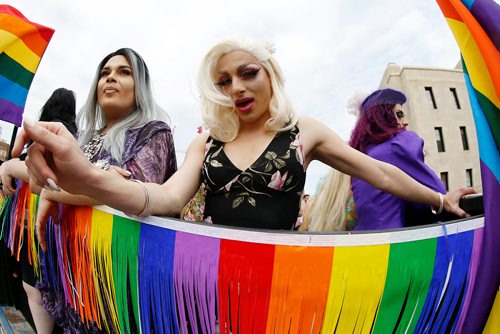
(29, 119)
(46, 187)
(53, 185)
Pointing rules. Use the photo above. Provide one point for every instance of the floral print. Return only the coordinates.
(297, 146)
(350, 221)
(273, 183)
(277, 180)
(193, 211)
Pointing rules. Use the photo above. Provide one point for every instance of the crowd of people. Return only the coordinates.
(250, 163)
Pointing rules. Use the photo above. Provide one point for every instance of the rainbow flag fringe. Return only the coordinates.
(17, 217)
(169, 276)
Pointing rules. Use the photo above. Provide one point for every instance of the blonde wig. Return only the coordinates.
(327, 210)
(217, 108)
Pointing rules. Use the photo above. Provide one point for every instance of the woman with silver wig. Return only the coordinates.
(124, 133)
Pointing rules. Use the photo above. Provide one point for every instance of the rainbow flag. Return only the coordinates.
(476, 27)
(22, 44)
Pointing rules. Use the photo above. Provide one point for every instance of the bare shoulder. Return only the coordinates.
(311, 129)
(307, 123)
(199, 142)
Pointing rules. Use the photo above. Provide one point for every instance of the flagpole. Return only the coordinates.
(12, 140)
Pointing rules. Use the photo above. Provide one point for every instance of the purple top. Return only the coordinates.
(149, 153)
(378, 210)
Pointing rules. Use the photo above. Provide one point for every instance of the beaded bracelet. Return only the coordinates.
(441, 203)
(146, 211)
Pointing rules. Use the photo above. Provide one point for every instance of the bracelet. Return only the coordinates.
(146, 211)
(441, 203)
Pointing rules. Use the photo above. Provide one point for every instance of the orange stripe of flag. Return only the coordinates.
(28, 33)
(449, 10)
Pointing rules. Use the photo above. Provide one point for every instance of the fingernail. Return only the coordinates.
(29, 119)
(128, 172)
(53, 185)
(47, 188)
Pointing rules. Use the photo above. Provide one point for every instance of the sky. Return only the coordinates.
(329, 50)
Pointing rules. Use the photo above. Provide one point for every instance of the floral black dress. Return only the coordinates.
(266, 195)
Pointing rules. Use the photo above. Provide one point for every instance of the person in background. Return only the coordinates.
(332, 207)
(252, 162)
(381, 133)
(60, 107)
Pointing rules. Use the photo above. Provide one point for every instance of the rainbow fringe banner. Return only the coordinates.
(22, 44)
(170, 276)
(17, 217)
(476, 27)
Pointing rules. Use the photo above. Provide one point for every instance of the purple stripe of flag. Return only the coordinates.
(196, 263)
(487, 13)
(489, 267)
(474, 263)
(10, 112)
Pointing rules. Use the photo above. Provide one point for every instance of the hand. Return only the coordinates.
(46, 209)
(451, 200)
(6, 178)
(54, 159)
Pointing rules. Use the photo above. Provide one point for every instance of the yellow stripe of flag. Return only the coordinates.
(101, 239)
(478, 71)
(356, 288)
(17, 50)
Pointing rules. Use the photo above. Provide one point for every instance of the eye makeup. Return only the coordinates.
(400, 114)
(245, 73)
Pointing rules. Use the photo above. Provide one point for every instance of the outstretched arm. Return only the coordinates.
(55, 160)
(320, 143)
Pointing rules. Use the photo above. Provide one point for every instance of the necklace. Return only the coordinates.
(93, 146)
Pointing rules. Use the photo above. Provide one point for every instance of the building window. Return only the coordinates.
(430, 96)
(468, 177)
(455, 97)
(439, 138)
(465, 142)
(444, 178)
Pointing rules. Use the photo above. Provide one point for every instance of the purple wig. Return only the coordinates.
(377, 121)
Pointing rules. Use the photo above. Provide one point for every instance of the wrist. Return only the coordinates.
(94, 181)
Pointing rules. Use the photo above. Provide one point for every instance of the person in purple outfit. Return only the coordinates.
(381, 133)
(124, 134)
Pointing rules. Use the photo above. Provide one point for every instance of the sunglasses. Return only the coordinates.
(400, 114)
